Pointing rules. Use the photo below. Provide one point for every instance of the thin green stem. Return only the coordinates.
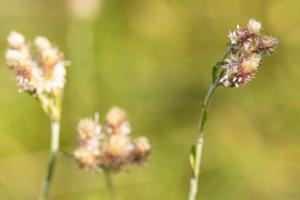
(110, 185)
(199, 143)
(55, 131)
(200, 138)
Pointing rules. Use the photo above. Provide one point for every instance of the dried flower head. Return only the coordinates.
(247, 47)
(141, 149)
(42, 76)
(254, 26)
(118, 146)
(111, 148)
(116, 121)
(89, 128)
(87, 158)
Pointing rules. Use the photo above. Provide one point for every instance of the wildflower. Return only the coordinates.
(247, 47)
(238, 66)
(43, 76)
(41, 72)
(110, 148)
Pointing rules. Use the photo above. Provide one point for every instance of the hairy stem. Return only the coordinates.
(200, 139)
(110, 185)
(55, 130)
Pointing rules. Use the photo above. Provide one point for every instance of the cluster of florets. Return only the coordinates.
(247, 47)
(42, 75)
(109, 147)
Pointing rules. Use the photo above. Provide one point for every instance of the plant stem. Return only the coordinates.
(199, 143)
(55, 130)
(110, 185)
(200, 138)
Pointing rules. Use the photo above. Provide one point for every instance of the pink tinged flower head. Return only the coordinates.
(116, 121)
(250, 65)
(89, 128)
(241, 72)
(254, 26)
(118, 146)
(247, 47)
(267, 45)
(18, 59)
(109, 149)
(86, 158)
(142, 149)
(16, 40)
(36, 75)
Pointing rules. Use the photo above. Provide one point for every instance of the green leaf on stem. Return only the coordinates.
(217, 71)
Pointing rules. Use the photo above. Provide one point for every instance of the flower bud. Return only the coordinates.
(116, 121)
(86, 158)
(118, 146)
(15, 59)
(42, 43)
(254, 26)
(142, 146)
(16, 40)
(89, 128)
(267, 45)
(250, 65)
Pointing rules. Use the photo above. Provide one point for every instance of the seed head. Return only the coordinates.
(116, 121)
(118, 146)
(86, 158)
(142, 149)
(89, 128)
(254, 26)
(16, 40)
(110, 149)
(247, 47)
(142, 146)
(42, 76)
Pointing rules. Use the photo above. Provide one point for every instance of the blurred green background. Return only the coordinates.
(154, 58)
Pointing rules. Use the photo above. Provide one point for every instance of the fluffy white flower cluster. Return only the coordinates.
(43, 74)
(40, 73)
(110, 148)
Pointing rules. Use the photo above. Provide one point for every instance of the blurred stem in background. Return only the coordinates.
(55, 132)
(81, 49)
(196, 151)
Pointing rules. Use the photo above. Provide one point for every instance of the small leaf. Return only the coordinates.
(217, 70)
